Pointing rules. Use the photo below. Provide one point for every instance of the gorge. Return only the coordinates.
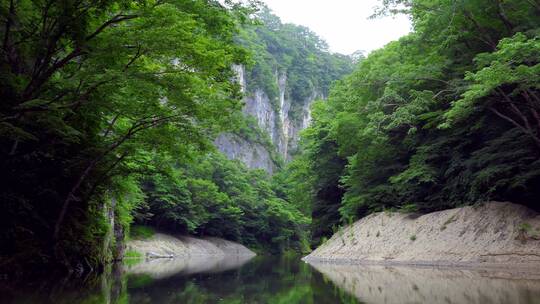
(287, 77)
(194, 150)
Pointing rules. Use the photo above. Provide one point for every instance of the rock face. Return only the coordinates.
(113, 245)
(492, 234)
(253, 155)
(274, 118)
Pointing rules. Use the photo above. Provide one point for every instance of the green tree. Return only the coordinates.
(443, 117)
(89, 90)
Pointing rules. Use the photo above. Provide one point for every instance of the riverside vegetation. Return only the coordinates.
(110, 108)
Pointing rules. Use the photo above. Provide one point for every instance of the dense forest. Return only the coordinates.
(211, 195)
(94, 98)
(106, 121)
(109, 111)
(446, 116)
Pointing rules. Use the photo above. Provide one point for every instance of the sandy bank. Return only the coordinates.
(178, 246)
(493, 234)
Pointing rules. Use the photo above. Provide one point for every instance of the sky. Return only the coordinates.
(344, 24)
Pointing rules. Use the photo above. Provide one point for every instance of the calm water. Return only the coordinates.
(280, 280)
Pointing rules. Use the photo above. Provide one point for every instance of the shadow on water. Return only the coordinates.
(108, 287)
(277, 280)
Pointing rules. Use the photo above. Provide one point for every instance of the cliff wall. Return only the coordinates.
(274, 117)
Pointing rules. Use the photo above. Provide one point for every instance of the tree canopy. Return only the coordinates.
(110, 108)
(445, 116)
(89, 89)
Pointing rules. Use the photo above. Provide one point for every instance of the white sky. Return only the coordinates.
(344, 24)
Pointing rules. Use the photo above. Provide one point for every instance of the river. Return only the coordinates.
(279, 280)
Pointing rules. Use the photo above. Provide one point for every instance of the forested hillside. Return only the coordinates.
(109, 115)
(95, 97)
(446, 116)
(290, 68)
(186, 115)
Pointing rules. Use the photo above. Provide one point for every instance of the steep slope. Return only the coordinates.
(495, 233)
(292, 68)
(167, 245)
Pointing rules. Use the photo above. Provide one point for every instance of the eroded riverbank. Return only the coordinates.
(165, 245)
(500, 235)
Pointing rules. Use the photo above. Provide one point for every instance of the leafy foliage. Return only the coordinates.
(294, 51)
(214, 196)
(89, 89)
(444, 117)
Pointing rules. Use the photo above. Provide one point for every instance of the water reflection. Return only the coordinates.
(261, 280)
(191, 280)
(163, 268)
(105, 288)
(389, 285)
(281, 280)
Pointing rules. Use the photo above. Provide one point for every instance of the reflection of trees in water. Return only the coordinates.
(382, 284)
(261, 280)
(107, 287)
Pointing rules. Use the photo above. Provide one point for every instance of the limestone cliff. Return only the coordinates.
(277, 119)
(291, 67)
(254, 155)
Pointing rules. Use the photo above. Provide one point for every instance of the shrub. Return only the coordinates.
(141, 232)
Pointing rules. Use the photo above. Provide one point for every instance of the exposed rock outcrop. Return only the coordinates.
(168, 255)
(113, 245)
(253, 155)
(491, 234)
(273, 117)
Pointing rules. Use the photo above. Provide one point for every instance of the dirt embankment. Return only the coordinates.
(492, 234)
(164, 245)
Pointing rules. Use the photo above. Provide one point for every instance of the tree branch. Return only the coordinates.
(488, 40)
(515, 109)
(513, 122)
(111, 125)
(502, 15)
(116, 19)
(41, 77)
(135, 57)
(134, 129)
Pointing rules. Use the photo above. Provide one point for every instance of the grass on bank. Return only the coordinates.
(139, 232)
